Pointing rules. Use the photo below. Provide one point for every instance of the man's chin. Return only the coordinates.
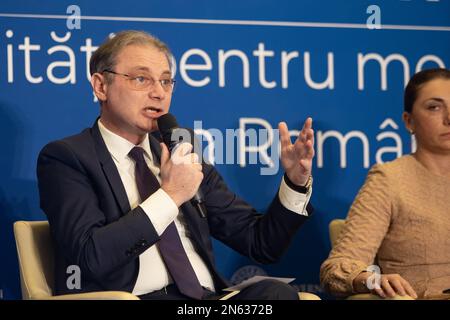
(148, 126)
(154, 125)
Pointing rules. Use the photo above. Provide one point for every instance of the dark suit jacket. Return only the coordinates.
(93, 226)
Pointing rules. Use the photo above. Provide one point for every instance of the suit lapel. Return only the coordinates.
(198, 226)
(110, 170)
(194, 221)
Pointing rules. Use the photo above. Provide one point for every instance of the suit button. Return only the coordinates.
(128, 253)
(143, 243)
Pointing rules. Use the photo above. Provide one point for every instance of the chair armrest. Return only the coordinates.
(369, 296)
(97, 295)
(229, 295)
(308, 296)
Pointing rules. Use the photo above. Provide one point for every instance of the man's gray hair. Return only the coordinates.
(104, 58)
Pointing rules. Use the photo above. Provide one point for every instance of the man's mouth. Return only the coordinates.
(153, 111)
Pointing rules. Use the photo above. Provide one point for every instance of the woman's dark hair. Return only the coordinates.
(417, 82)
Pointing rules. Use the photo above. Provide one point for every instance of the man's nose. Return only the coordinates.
(157, 91)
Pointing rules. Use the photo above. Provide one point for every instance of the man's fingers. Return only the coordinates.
(311, 152)
(165, 156)
(182, 149)
(182, 154)
(310, 135)
(306, 150)
(285, 139)
(309, 149)
(305, 166)
(307, 124)
(194, 158)
(305, 134)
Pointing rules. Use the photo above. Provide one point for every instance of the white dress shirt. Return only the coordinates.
(161, 210)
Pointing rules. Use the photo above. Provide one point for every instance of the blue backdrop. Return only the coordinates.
(251, 61)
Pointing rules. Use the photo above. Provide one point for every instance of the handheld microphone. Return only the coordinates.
(172, 136)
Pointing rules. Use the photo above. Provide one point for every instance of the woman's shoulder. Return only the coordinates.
(399, 166)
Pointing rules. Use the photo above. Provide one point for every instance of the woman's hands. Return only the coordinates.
(383, 285)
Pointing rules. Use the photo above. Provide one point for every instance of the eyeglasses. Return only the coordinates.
(142, 82)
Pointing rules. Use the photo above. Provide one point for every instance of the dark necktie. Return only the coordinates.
(170, 245)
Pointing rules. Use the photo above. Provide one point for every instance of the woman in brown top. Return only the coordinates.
(400, 219)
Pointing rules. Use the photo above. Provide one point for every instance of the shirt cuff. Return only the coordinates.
(160, 209)
(293, 200)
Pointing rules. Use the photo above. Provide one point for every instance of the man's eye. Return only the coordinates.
(165, 82)
(433, 107)
(140, 79)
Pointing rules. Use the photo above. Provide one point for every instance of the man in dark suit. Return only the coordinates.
(118, 204)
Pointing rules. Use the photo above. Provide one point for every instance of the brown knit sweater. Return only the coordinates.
(400, 220)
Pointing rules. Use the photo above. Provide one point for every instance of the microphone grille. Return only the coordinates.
(167, 122)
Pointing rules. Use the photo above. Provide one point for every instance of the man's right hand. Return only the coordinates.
(390, 285)
(181, 174)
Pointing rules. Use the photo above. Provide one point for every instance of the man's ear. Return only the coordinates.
(409, 122)
(98, 83)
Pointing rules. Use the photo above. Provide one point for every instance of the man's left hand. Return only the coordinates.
(296, 158)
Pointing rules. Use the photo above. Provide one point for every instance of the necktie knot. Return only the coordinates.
(146, 181)
(137, 154)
